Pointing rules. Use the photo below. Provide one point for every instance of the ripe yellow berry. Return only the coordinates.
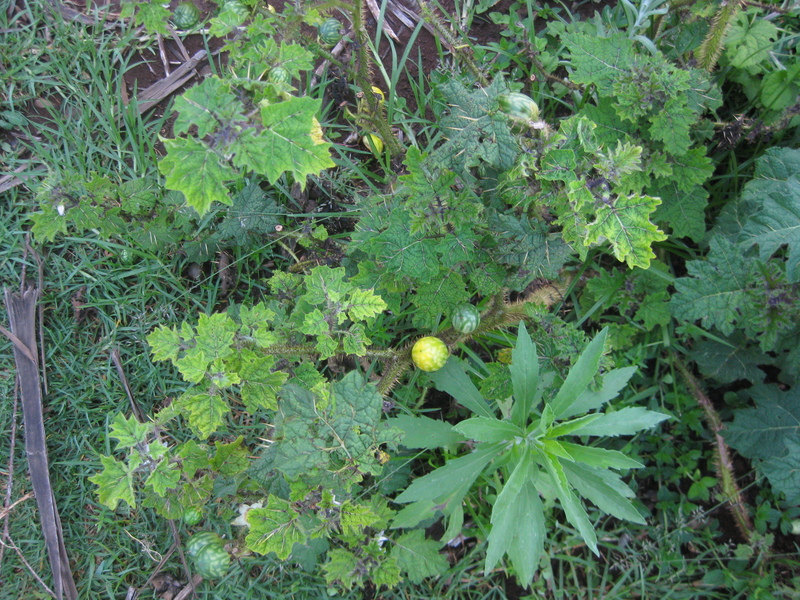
(430, 353)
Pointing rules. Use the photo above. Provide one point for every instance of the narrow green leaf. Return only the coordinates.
(623, 422)
(580, 375)
(483, 429)
(588, 400)
(453, 380)
(413, 514)
(524, 370)
(604, 489)
(455, 474)
(518, 527)
(599, 457)
(570, 503)
(424, 432)
(568, 427)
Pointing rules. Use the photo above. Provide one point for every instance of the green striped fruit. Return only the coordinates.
(185, 15)
(200, 540)
(278, 75)
(212, 562)
(465, 318)
(330, 32)
(192, 516)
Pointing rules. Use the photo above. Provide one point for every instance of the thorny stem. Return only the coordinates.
(456, 47)
(725, 469)
(363, 80)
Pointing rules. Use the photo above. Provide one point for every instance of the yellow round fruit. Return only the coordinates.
(430, 353)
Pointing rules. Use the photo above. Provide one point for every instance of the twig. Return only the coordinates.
(4, 513)
(137, 410)
(726, 472)
(9, 543)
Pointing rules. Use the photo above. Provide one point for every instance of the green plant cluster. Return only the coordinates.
(585, 213)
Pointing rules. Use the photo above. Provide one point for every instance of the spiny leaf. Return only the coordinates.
(115, 481)
(291, 141)
(193, 168)
(274, 528)
(715, 291)
(418, 557)
(625, 223)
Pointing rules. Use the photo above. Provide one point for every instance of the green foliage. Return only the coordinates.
(527, 445)
(645, 100)
(502, 202)
(277, 138)
(769, 434)
(733, 289)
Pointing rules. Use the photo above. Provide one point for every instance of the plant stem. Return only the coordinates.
(725, 469)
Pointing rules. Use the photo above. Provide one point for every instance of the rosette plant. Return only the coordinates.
(538, 444)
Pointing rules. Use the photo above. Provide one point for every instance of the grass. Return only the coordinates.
(96, 301)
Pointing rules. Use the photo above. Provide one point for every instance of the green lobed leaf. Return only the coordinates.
(291, 141)
(783, 471)
(672, 125)
(128, 431)
(599, 60)
(354, 518)
(164, 477)
(193, 366)
(215, 335)
(418, 557)
(205, 412)
(778, 224)
(733, 358)
(231, 458)
(473, 132)
(749, 41)
(625, 222)
(761, 432)
(165, 343)
(274, 528)
(115, 481)
(193, 168)
(715, 291)
(364, 304)
(207, 105)
(260, 384)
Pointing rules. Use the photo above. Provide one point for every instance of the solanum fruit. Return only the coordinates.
(465, 318)
(429, 353)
